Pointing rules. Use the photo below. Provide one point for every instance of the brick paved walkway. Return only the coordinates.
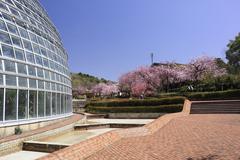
(194, 137)
(177, 136)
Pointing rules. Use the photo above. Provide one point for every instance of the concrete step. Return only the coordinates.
(221, 109)
(213, 107)
(96, 116)
(216, 105)
(106, 125)
(215, 112)
(43, 146)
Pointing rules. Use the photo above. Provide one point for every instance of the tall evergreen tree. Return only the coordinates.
(233, 55)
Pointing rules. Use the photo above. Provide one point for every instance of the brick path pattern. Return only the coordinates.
(178, 136)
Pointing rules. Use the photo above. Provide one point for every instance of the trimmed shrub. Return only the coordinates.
(139, 102)
(168, 95)
(137, 109)
(17, 130)
(229, 94)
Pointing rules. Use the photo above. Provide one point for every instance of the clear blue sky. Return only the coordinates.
(107, 38)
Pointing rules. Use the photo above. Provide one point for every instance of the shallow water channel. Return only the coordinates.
(68, 138)
(74, 137)
(71, 137)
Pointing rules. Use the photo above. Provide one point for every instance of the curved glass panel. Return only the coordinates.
(35, 78)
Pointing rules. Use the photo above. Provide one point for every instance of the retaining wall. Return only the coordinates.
(135, 115)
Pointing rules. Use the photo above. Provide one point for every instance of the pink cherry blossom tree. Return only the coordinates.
(203, 66)
(139, 89)
(126, 81)
(103, 89)
(97, 89)
(166, 75)
(109, 90)
(148, 80)
(80, 90)
(149, 76)
(138, 82)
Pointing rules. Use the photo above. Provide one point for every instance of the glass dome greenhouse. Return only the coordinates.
(35, 81)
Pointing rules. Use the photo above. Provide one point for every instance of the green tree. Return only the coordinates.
(220, 63)
(233, 55)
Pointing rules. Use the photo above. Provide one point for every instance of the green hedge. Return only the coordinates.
(137, 109)
(138, 102)
(229, 94)
(168, 95)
